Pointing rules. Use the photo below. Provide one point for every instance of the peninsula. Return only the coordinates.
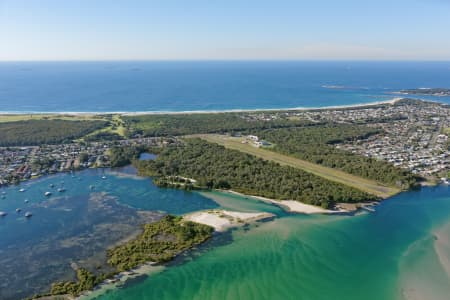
(440, 92)
(309, 161)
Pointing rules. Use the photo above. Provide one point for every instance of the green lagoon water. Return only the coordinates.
(389, 254)
(402, 251)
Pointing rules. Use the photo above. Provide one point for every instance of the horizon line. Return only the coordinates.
(224, 60)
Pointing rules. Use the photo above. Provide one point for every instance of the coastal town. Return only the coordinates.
(22, 163)
(414, 135)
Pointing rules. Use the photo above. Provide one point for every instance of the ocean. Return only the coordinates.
(208, 86)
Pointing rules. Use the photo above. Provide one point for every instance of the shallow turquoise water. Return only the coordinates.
(370, 256)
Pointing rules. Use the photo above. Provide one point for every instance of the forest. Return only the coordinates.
(317, 145)
(38, 132)
(214, 166)
(183, 124)
(122, 156)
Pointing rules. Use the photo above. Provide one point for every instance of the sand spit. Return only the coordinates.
(294, 206)
(222, 220)
(442, 248)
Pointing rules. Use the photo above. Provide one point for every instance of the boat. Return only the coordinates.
(47, 194)
(61, 190)
(52, 185)
(26, 201)
(18, 210)
(28, 214)
(91, 187)
(103, 177)
(3, 214)
(22, 190)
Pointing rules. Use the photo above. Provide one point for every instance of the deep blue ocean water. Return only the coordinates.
(193, 86)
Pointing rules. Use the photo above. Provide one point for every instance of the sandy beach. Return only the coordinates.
(138, 113)
(293, 206)
(222, 220)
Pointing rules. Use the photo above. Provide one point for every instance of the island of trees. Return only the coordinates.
(159, 242)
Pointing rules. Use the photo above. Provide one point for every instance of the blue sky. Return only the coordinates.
(225, 29)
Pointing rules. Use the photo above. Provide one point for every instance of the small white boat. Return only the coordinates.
(22, 190)
(103, 177)
(26, 201)
(18, 210)
(61, 190)
(3, 214)
(28, 214)
(52, 185)
(47, 194)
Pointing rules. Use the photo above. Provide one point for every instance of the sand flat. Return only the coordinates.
(294, 206)
(222, 220)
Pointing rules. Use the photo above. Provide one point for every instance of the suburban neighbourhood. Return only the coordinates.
(414, 136)
(20, 163)
(415, 133)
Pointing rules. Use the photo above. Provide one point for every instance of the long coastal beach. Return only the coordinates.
(138, 113)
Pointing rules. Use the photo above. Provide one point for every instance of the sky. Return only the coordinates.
(224, 30)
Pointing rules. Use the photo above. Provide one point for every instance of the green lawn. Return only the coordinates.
(363, 184)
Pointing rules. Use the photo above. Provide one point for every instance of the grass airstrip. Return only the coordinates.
(367, 185)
